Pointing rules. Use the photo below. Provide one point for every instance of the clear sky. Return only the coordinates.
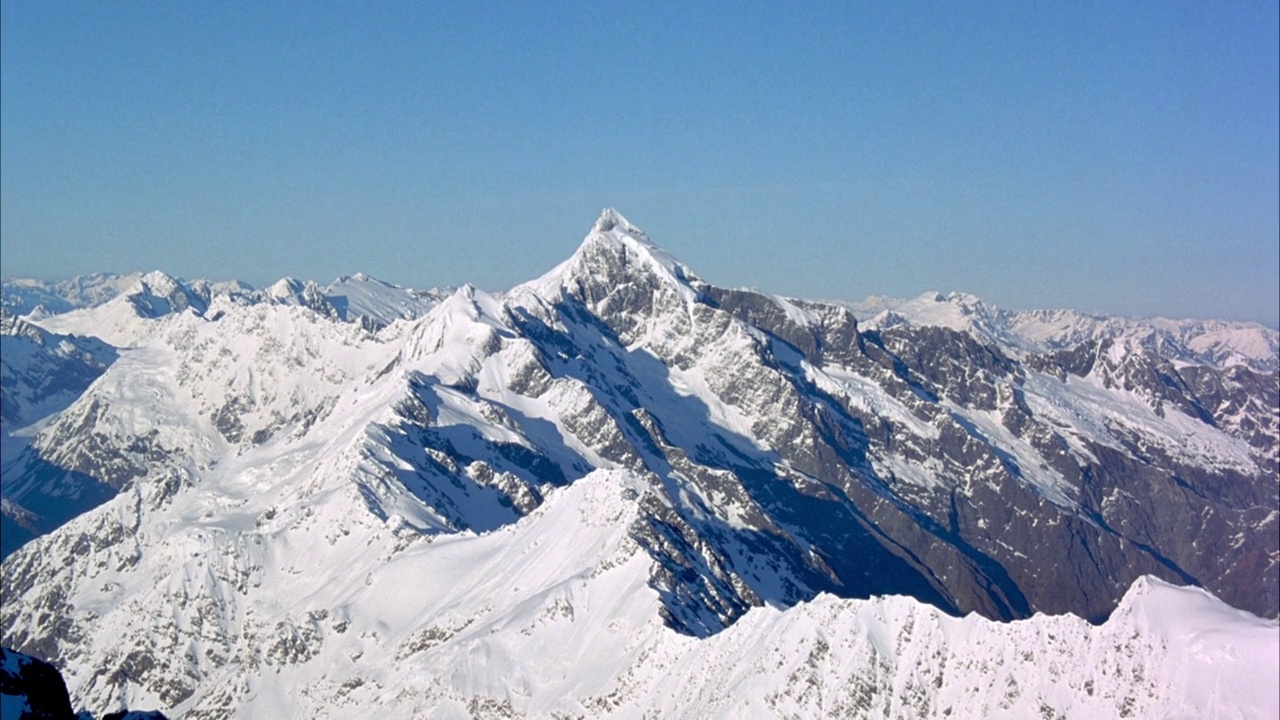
(1111, 157)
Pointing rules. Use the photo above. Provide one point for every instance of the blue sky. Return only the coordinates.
(1110, 157)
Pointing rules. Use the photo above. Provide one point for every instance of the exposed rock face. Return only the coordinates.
(787, 451)
(1017, 511)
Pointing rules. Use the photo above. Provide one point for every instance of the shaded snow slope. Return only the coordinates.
(41, 374)
(378, 304)
(288, 500)
(554, 615)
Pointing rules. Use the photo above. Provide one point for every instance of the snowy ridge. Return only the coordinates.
(41, 374)
(117, 322)
(614, 239)
(360, 296)
(125, 319)
(568, 497)
(22, 296)
(121, 310)
(1214, 342)
(199, 389)
(553, 614)
(893, 658)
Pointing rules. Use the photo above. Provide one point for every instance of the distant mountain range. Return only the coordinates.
(618, 488)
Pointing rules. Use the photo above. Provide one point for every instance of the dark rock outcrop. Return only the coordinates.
(32, 687)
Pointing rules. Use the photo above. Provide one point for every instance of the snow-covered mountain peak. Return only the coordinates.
(376, 303)
(157, 294)
(1151, 604)
(617, 264)
(156, 281)
(615, 229)
(290, 291)
(619, 490)
(963, 298)
(129, 318)
(1216, 342)
(611, 219)
(447, 341)
(22, 296)
(285, 287)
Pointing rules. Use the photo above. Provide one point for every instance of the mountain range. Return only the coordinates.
(618, 489)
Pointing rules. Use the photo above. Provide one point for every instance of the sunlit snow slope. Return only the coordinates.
(619, 489)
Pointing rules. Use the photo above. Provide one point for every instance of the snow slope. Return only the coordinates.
(376, 303)
(40, 375)
(553, 616)
(128, 319)
(577, 496)
(1211, 341)
(22, 296)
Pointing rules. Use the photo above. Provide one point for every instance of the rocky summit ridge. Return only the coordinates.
(282, 504)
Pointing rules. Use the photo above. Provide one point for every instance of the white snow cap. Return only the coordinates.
(157, 281)
(613, 227)
(612, 230)
(611, 219)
